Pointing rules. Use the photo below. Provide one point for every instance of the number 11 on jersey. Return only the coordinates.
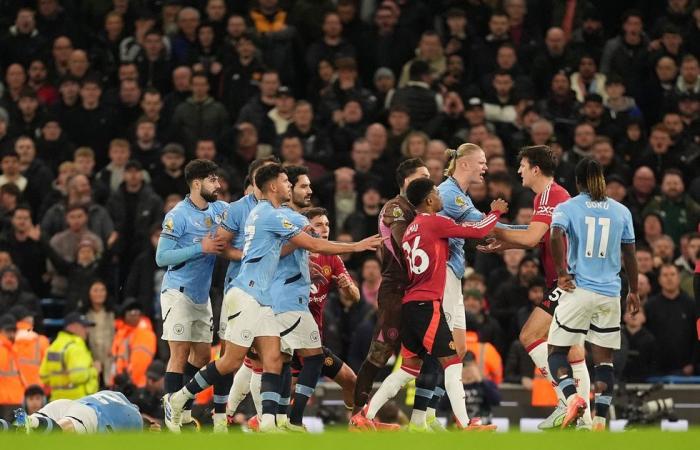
(604, 223)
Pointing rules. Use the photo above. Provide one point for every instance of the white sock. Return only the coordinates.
(187, 416)
(418, 418)
(255, 382)
(219, 416)
(455, 392)
(267, 421)
(539, 356)
(430, 413)
(389, 388)
(239, 389)
(583, 386)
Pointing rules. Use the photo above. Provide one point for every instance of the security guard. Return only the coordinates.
(12, 385)
(68, 369)
(134, 345)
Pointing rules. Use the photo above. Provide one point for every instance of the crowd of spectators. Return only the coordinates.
(103, 102)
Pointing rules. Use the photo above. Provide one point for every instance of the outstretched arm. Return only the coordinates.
(316, 245)
(527, 238)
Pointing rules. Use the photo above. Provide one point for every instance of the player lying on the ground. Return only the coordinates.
(104, 411)
(424, 330)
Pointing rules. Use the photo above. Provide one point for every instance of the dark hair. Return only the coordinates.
(9, 153)
(200, 75)
(199, 169)
(258, 163)
(632, 13)
(152, 91)
(406, 169)
(315, 211)
(540, 156)
(418, 69)
(418, 190)
(589, 176)
(268, 173)
(73, 206)
(23, 207)
(294, 172)
(11, 189)
(672, 171)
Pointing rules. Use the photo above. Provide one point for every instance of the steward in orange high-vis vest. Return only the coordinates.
(134, 345)
(12, 385)
(29, 346)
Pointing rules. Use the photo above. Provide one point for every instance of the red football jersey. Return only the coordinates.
(543, 208)
(426, 251)
(331, 266)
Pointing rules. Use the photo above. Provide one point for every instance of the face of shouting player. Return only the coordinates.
(321, 226)
(301, 192)
(210, 188)
(475, 166)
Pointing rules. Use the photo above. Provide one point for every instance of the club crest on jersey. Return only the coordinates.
(327, 271)
(328, 361)
(207, 222)
(397, 212)
(287, 224)
(452, 345)
(169, 224)
(460, 201)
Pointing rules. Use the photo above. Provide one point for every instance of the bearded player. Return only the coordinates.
(537, 170)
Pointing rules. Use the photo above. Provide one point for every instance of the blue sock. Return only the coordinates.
(190, 371)
(172, 382)
(438, 392)
(557, 361)
(308, 377)
(207, 376)
(604, 378)
(286, 388)
(269, 392)
(426, 383)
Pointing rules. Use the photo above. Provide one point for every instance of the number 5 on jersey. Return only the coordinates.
(417, 258)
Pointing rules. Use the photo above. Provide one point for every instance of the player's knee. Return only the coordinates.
(527, 337)
(272, 362)
(577, 353)
(379, 353)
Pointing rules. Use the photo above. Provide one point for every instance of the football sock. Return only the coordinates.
(390, 386)
(539, 354)
(269, 393)
(583, 385)
(173, 382)
(605, 381)
(558, 361)
(190, 371)
(255, 382)
(308, 377)
(438, 393)
(239, 388)
(207, 376)
(285, 392)
(455, 392)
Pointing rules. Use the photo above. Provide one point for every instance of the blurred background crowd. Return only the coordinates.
(103, 102)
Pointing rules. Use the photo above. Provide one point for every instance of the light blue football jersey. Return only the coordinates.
(114, 411)
(595, 232)
(187, 225)
(458, 206)
(266, 229)
(291, 286)
(234, 223)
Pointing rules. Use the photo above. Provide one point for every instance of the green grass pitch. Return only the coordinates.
(343, 440)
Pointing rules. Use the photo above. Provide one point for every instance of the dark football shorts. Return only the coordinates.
(388, 324)
(331, 364)
(424, 330)
(551, 300)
